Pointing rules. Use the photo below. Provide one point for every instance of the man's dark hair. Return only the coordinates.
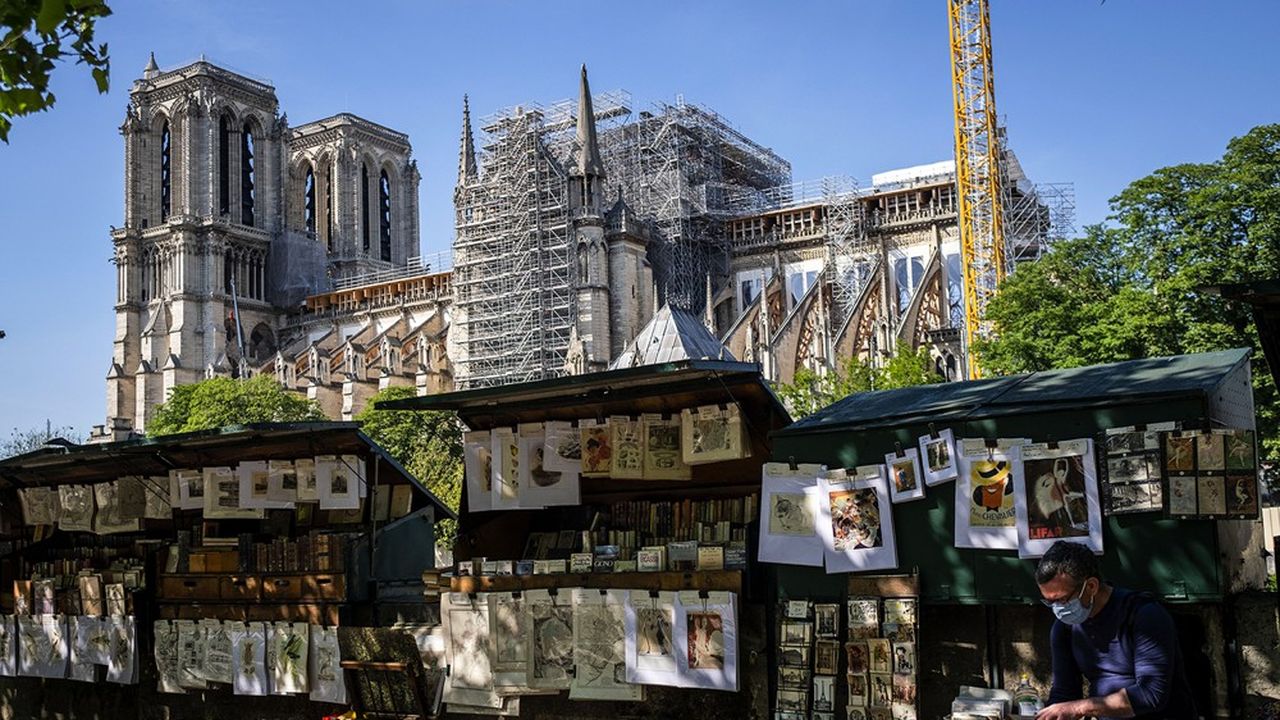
(1073, 559)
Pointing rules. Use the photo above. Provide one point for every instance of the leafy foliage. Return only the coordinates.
(809, 391)
(38, 34)
(219, 402)
(428, 443)
(1132, 289)
(24, 441)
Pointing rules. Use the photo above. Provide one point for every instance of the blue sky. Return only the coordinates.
(1093, 93)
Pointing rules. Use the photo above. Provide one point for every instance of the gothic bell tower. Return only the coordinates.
(590, 345)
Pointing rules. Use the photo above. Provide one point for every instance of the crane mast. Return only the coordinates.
(978, 182)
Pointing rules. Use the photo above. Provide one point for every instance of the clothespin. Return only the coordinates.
(516, 594)
(991, 444)
(603, 592)
(1140, 427)
(791, 463)
(553, 592)
(600, 415)
(898, 449)
(704, 595)
(472, 597)
(933, 431)
(1051, 443)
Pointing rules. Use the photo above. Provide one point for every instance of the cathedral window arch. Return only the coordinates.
(384, 216)
(248, 174)
(364, 205)
(166, 170)
(309, 200)
(224, 164)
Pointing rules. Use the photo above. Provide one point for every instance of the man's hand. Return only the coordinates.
(1070, 710)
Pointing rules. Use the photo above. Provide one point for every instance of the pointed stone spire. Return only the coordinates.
(588, 150)
(152, 69)
(467, 155)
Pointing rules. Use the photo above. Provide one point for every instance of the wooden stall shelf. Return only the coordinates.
(246, 588)
(720, 580)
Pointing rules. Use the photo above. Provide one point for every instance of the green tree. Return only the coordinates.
(809, 391)
(37, 35)
(427, 442)
(24, 441)
(219, 402)
(1130, 289)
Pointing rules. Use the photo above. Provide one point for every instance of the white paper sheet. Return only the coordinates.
(189, 485)
(91, 639)
(248, 658)
(166, 658)
(477, 460)
(599, 647)
(40, 505)
(509, 640)
(650, 619)
(551, 630)
(789, 514)
(855, 520)
(255, 486)
(215, 663)
(505, 487)
(906, 482)
(707, 639)
(123, 667)
(540, 487)
(338, 482)
(563, 447)
(986, 517)
(661, 448)
(938, 457)
(8, 646)
(288, 671)
(626, 437)
(190, 643)
(1058, 498)
(466, 626)
(325, 670)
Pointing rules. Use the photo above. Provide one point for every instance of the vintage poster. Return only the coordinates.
(707, 639)
(509, 640)
(75, 511)
(249, 658)
(599, 647)
(650, 638)
(39, 505)
(282, 483)
(123, 665)
(550, 623)
(628, 448)
(110, 517)
(1058, 497)
(563, 447)
(8, 646)
(190, 489)
(324, 670)
(466, 627)
(855, 521)
(477, 459)
(789, 514)
(1179, 453)
(905, 479)
(938, 456)
(1239, 451)
(661, 449)
(1132, 472)
(538, 486)
(855, 657)
(339, 481)
(166, 657)
(222, 495)
(504, 488)
(986, 517)
(597, 448)
(288, 651)
(712, 433)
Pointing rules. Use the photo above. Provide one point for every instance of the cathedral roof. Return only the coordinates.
(672, 335)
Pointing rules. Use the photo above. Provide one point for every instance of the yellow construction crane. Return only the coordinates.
(978, 182)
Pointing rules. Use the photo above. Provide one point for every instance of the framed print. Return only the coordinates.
(905, 480)
(986, 517)
(1059, 497)
(938, 457)
(856, 522)
(789, 513)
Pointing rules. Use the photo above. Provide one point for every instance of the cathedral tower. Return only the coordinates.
(592, 348)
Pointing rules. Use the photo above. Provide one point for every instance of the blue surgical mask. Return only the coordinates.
(1073, 611)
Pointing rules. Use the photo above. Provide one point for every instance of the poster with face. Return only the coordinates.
(649, 623)
(661, 448)
(986, 517)
(477, 460)
(707, 639)
(628, 447)
(855, 521)
(466, 628)
(905, 479)
(789, 514)
(938, 457)
(538, 486)
(596, 442)
(599, 647)
(1059, 497)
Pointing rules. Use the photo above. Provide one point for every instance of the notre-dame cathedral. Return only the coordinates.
(250, 246)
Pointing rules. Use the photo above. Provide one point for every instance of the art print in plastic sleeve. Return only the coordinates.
(650, 638)
(255, 486)
(157, 504)
(45, 646)
(509, 640)
(91, 638)
(282, 482)
(466, 627)
(597, 448)
(1131, 479)
(78, 667)
(938, 457)
(789, 514)
(906, 481)
(1058, 498)
(215, 664)
(165, 648)
(599, 647)
(109, 517)
(324, 667)
(661, 451)
(855, 521)
(505, 486)
(712, 433)
(288, 669)
(563, 452)
(707, 639)
(123, 665)
(339, 479)
(551, 630)
(628, 448)
(1211, 496)
(477, 458)
(986, 516)
(1242, 496)
(39, 505)
(538, 486)
(76, 504)
(249, 658)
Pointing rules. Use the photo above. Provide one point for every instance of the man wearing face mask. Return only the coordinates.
(1123, 642)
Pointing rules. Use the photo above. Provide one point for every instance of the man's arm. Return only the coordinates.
(1067, 681)
(1114, 705)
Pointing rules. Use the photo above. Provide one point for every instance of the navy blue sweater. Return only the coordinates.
(1130, 645)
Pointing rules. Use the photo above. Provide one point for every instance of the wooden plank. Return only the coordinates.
(721, 580)
(885, 585)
